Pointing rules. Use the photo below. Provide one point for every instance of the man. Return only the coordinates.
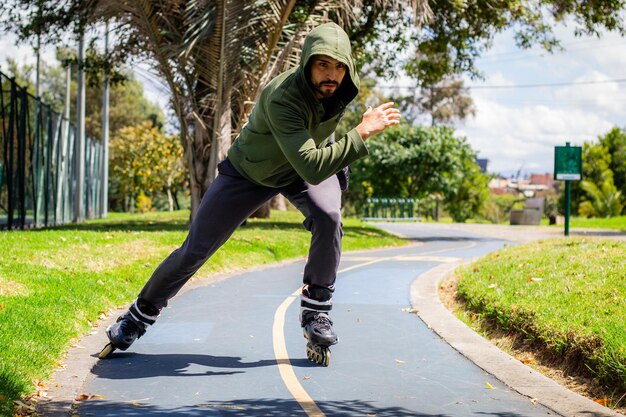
(284, 148)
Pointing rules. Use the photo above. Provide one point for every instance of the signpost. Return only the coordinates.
(568, 166)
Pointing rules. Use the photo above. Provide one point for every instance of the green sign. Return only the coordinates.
(568, 162)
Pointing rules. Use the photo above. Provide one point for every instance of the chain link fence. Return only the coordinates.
(38, 163)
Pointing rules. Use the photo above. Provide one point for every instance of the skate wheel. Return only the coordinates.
(108, 349)
(318, 354)
(310, 353)
(325, 357)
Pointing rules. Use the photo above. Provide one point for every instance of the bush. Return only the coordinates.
(498, 207)
(144, 203)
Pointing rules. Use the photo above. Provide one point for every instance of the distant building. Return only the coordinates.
(543, 179)
(535, 185)
(482, 163)
(499, 185)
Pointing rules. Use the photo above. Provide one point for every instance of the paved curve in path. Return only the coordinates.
(235, 348)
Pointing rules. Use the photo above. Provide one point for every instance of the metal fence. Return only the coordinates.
(38, 163)
(391, 209)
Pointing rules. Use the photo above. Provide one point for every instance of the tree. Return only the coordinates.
(446, 102)
(127, 107)
(615, 144)
(52, 81)
(145, 161)
(604, 166)
(215, 56)
(604, 176)
(415, 162)
(596, 165)
(466, 198)
(127, 104)
(458, 32)
(602, 199)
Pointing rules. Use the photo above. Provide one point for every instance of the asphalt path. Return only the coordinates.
(235, 348)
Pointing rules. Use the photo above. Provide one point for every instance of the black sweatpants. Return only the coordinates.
(229, 201)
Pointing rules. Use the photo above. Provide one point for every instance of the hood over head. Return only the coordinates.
(331, 40)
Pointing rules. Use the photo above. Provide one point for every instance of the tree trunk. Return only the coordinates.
(278, 203)
(204, 160)
(263, 212)
(170, 200)
(197, 167)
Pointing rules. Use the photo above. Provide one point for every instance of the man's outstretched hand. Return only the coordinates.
(377, 119)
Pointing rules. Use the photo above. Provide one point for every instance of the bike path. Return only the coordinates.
(216, 351)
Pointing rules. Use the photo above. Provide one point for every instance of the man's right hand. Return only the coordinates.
(377, 119)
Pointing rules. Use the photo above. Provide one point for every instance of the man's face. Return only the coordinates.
(326, 75)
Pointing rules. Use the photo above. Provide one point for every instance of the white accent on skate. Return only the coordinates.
(144, 317)
(315, 302)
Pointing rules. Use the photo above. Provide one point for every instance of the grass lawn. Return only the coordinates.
(615, 223)
(565, 296)
(54, 283)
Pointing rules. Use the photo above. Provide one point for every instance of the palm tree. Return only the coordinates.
(603, 200)
(215, 57)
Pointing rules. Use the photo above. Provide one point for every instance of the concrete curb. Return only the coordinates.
(519, 377)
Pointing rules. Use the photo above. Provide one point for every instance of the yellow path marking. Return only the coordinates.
(278, 334)
(284, 364)
(442, 259)
(358, 258)
(282, 357)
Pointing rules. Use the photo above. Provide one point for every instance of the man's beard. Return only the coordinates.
(326, 93)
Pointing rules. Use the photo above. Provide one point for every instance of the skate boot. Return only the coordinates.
(128, 328)
(315, 304)
(318, 331)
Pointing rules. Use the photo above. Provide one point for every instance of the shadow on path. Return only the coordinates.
(123, 365)
(264, 407)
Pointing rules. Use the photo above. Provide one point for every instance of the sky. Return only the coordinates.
(518, 128)
(583, 96)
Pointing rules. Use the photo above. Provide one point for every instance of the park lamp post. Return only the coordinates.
(79, 207)
(568, 167)
(104, 190)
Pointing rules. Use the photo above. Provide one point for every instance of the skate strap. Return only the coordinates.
(307, 303)
(141, 317)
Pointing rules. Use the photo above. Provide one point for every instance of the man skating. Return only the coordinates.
(283, 149)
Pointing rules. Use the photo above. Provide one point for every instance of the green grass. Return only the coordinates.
(55, 283)
(566, 295)
(615, 223)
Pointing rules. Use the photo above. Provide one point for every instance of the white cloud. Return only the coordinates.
(520, 126)
(601, 95)
(512, 137)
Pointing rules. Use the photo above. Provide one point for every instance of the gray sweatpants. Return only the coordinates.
(229, 201)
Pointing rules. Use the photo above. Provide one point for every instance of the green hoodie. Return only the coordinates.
(287, 134)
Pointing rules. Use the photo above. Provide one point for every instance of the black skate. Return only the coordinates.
(318, 331)
(122, 334)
